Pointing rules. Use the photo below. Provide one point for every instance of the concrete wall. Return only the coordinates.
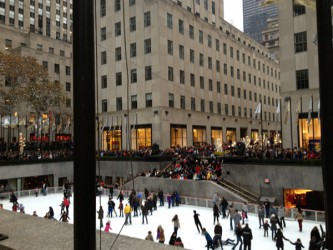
(250, 177)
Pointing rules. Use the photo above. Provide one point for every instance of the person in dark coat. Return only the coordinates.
(274, 221)
(146, 193)
(13, 198)
(216, 213)
(197, 220)
(111, 191)
(298, 244)
(144, 211)
(173, 239)
(267, 205)
(51, 213)
(217, 240)
(224, 207)
(161, 198)
(279, 239)
(239, 234)
(247, 237)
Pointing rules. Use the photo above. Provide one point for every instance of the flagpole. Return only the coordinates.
(281, 125)
(301, 111)
(313, 132)
(262, 132)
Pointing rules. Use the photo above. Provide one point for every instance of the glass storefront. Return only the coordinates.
(309, 132)
(178, 135)
(111, 139)
(141, 137)
(231, 136)
(254, 135)
(217, 138)
(199, 135)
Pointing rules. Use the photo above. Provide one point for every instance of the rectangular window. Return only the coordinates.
(211, 107)
(147, 21)
(104, 106)
(237, 55)
(103, 57)
(147, 46)
(181, 52)
(232, 91)
(170, 74)
(116, 5)
(68, 70)
(224, 48)
(171, 100)
(119, 104)
(133, 76)
(192, 103)
(62, 53)
(133, 50)
(103, 33)
(191, 31)
(239, 111)
(217, 66)
(118, 79)
(182, 102)
(226, 89)
(191, 55)
(202, 82)
(233, 110)
(192, 80)
(68, 86)
(300, 42)
(243, 57)
(200, 36)
(231, 71)
(134, 101)
(149, 100)
(226, 109)
(231, 52)
(210, 85)
(117, 29)
(170, 47)
(209, 41)
(225, 69)
(118, 54)
(298, 9)
(131, 2)
(245, 112)
(217, 45)
(104, 81)
(210, 63)
(133, 24)
(244, 94)
(218, 87)
(181, 26)
(169, 21)
(148, 73)
(302, 79)
(201, 59)
(202, 105)
(182, 76)
(56, 68)
(239, 92)
(219, 108)
(238, 74)
(103, 8)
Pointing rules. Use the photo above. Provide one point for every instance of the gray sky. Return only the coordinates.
(234, 13)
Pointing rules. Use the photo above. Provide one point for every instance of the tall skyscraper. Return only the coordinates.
(255, 17)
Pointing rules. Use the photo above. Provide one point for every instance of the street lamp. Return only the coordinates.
(288, 99)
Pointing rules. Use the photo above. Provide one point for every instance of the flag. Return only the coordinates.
(258, 109)
(287, 112)
(310, 111)
(278, 109)
(318, 108)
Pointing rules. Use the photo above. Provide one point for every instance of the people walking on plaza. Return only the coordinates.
(281, 214)
(144, 212)
(13, 199)
(237, 218)
(169, 199)
(274, 222)
(279, 239)
(224, 207)
(247, 237)
(267, 205)
(261, 216)
(239, 234)
(299, 217)
(231, 214)
(107, 226)
(176, 223)
(120, 196)
(161, 198)
(111, 205)
(66, 204)
(160, 234)
(197, 220)
(100, 213)
(128, 214)
(245, 209)
(298, 244)
(216, 213)
(121, 209)
(266, 226)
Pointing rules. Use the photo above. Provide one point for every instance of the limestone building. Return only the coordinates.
(175, 73)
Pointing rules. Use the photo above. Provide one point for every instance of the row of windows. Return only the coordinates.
(149, 101)
(57, 68)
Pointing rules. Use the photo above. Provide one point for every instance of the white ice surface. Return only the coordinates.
(162, 216)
